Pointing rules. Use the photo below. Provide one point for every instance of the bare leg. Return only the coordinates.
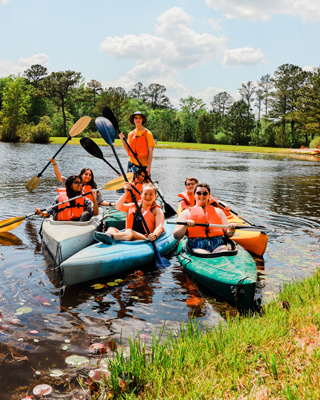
(127, 235)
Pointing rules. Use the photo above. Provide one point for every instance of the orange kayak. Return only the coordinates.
(253, 241)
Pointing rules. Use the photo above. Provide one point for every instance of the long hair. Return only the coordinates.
(70, 192)
(92, 182)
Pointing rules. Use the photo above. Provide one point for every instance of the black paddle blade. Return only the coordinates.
(91, 147)
(161, 262)
(107, 113)
(169, 211)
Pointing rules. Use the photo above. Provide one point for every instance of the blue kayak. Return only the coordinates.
(100, 260)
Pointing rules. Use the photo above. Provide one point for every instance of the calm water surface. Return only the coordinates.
(43, 323)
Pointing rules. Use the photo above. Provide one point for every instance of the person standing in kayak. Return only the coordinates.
(207, 239)
(80, 209)
(141, 142)
(151, 211)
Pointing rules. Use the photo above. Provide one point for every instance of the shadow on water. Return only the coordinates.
(43, 322)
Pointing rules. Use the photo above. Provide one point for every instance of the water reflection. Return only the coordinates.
(279, 192)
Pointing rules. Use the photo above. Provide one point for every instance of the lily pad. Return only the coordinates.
(76, 361)
(97, 348)
(23, 310)
(98, 286)
(112, 284)
(42, 390)
(56, 373)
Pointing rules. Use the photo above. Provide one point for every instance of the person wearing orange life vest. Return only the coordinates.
(188, 195)
(204, 239)
(87, 179)
(138, 181)
(151, 211)
(80, 209)
(141, 142)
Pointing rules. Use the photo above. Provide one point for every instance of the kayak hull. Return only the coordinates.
(65, 238)
(232, 277)
(101, 260)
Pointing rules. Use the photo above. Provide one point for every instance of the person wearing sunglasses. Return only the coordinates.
(80, 209)
(203, 239)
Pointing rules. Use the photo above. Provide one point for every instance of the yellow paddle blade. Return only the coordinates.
(32, 184)
(117, 183)
(11, 223)
(79, 126)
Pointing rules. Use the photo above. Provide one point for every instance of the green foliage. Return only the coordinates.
(315, 143)
(58, 123)
(15, 105)
(42, 132)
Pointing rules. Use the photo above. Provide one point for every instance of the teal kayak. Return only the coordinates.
(101, 260)
(232, 275)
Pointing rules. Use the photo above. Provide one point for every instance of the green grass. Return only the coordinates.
(271, 355)
(189, 146)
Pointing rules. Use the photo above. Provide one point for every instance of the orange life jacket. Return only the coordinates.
(204, 216)
(86, 189)
(189, 199)
(147, 215)
(138, 186)
(65, 211)
(139, 144)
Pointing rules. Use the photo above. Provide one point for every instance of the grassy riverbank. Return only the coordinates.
(189, 146)
(275, 355)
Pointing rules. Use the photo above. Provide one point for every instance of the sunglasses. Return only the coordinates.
(78, 182)
(202, 193)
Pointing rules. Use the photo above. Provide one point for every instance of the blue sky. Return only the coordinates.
(192, 47)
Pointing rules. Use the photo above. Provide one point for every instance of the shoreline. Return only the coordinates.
(207, 147)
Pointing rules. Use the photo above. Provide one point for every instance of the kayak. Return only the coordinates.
(253, 241)
(65, 238)
(101, 260)
(230, 274)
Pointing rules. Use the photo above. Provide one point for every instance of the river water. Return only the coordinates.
(43, 322)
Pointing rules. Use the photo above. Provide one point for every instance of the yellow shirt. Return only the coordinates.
(150, 143)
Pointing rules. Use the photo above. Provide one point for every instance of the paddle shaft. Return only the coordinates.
(136, 203)
(49, 162)
(260, 228)
(233, 212)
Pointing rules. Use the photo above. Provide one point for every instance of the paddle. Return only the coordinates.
(78, 127)
(106, 130)
(118, 183)
(233, 212)
(107, 113)
(249, 228)
(92, 148)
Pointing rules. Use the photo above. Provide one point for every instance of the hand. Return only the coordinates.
(232, 228)
(190, 222)
(227, 207)
(152, 237)
(148, 170)
(53, 161)
(121, 135)
(127, 187)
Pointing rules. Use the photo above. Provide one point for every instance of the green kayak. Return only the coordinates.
(230, 274)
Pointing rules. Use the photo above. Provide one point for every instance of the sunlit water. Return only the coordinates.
(281, 193)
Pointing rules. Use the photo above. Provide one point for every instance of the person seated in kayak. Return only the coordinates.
(80, 209)
(207, 239)
(137, 182)
(87, 179)
(151, 211)
(188, 199)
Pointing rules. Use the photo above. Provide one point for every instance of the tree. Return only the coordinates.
(266, 85)
(204, 128)
(191, 109)
(35, 74)
(137, 91)
(239, 125)
(95, 88)
(259, 100)
(57, 87)
(154, 94)
(308, 106)
(15, 105)
(221, 104)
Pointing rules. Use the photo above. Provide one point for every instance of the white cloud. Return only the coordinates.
(10, 67)
(160, 57)
(243, 56)
(4, 2)
(309, 68)
(308, 10)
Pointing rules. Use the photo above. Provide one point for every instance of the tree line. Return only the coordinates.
(282, 110)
